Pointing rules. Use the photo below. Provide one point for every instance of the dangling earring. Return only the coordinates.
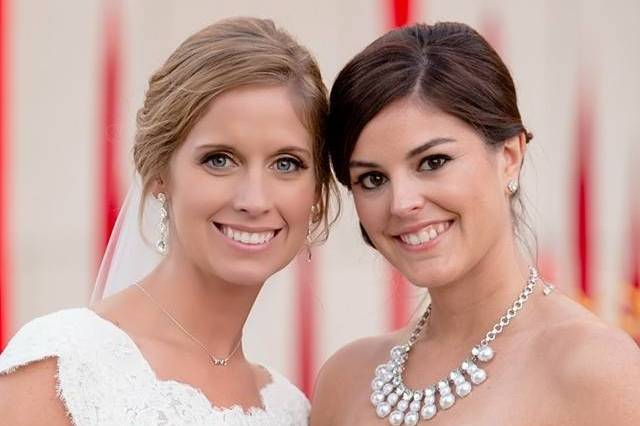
(161, 245)
(513, 186)
(308, 243)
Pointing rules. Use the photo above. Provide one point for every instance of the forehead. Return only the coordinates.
(253, 115)
(408, 123)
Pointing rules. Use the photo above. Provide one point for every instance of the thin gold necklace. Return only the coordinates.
(222, 362)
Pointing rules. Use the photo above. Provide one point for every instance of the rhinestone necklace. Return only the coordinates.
(222, 362)
(392, 398)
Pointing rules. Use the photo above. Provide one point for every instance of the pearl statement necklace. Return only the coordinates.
(392, 398)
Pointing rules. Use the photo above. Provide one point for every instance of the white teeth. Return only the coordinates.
(227, 231)
(251, 238)
(425, 235)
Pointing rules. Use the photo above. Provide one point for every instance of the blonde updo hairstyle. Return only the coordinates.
(229, 54)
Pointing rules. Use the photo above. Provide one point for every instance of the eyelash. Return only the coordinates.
(296, 162)
(299, 164)
(442, 159)
(362, 178)
(206, 160)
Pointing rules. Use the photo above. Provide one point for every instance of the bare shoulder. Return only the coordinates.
(594, 369)
(574, 334)
(344, 372)
(362, 351)
(343, 367)
(28, 395)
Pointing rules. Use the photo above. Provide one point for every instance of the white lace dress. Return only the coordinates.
(103, 379)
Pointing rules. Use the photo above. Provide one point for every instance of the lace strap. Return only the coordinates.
(45, 337)
(282, 396)
(83, 348)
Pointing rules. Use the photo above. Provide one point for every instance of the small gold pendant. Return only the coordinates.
(219, 362)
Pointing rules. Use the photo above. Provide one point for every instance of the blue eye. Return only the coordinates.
(371, 181)
(434, 162)
(287, 165)
(218, 161)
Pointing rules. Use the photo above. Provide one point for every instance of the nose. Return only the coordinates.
(407, 197)
(251, 194)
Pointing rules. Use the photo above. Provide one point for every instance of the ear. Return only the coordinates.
(158, 185)
(317, 202)
(511, 157)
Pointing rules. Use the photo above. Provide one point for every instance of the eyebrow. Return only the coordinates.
(292, 148)
(208, 146)
(427, 145)
(283, 150)
(415, 151)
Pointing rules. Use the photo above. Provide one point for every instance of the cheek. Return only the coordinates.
(192, 213)
(372, 211)
(470, 188)
(477, 199)
(195, 198)
(294, 201)
(198, 195)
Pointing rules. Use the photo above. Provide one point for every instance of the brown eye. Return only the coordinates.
(372, 180)
(434, 162)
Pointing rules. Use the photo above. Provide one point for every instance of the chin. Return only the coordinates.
(245, 273)
(428, 273)
(428, 282)
(244, 278)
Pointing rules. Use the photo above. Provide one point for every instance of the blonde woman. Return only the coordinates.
(233, 177)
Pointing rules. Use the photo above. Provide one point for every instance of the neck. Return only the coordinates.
(465, 310)
(210, 309)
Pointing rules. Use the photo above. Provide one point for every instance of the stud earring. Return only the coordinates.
(161, 245)
(513, 186)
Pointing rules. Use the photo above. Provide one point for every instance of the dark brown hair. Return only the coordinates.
(447, 65)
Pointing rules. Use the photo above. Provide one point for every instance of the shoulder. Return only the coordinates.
(279, 393)
(596, 369)
(68, 358)
(362, 355)
(46, 336)
(347, 370)
(582, 345)
(29, 395)
(369, 351)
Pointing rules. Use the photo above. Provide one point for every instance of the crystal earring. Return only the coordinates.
(513, 186)
(308, 244)
(309, 227)
(161, 245)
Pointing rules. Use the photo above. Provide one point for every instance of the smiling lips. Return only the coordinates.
(426, 234)
(246, 237)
